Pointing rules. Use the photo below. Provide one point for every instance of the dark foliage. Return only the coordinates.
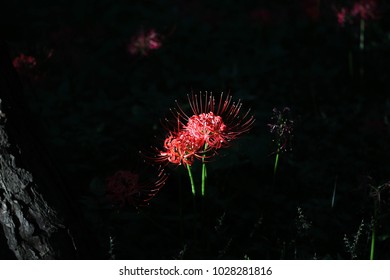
(100, 105)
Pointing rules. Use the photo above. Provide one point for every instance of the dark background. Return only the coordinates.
(98, 105)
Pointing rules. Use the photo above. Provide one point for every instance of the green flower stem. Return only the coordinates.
(204, 172)
(204, 176)
(276, 162)
(373, 234)
(276, 159)
(193, 196)
(191, 179)
(372, 242)
(204, 179)
(361, 37)
(361, 44)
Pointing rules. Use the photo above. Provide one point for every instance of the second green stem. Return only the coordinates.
(204, 172)
(191, 179)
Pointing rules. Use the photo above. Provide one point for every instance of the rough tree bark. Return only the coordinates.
(37, 215)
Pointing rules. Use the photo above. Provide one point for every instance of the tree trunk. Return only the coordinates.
(38, 217)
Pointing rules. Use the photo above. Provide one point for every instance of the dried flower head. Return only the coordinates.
(125, 188)
(381, 194)
(144, 43)
(352, 244)
(282, 128)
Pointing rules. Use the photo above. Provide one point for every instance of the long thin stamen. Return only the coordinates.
(201, 102)
(220, 104)
(191, 102)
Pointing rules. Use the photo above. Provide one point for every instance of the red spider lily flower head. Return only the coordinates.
(217, 122)
(365, 9)
(342, 16)
(261, 15)
(180, 148)
(282, 127)
(125, 188)
(311, 8)
(32, 68)
(207, 128)
(211, 126)
(23, 63)
(144, 43)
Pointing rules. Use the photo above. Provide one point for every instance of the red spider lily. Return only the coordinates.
(365, 9)
(207, 128)
(143, 43)
(342, 16)
(23, 63)
(211, 126)
(213, 121)
(311, 8)
(125, 188)
(30, 68)
(261, 15)
(181, 148)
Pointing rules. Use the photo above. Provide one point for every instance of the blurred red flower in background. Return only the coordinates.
(261, 15)
(23, 63)
(342, 16)
(124, 188)
(311, 8)
(144, 43)
(365, 9)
